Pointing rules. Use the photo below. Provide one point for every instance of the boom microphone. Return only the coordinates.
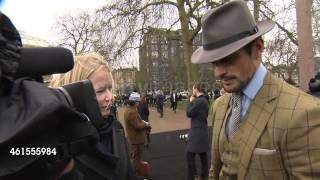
(44, 61)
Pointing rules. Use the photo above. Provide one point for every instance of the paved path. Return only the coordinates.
(170, 122)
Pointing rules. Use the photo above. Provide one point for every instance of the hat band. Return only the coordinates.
(230, 39)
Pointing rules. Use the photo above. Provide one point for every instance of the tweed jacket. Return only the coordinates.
(135, 127)
(281, 136)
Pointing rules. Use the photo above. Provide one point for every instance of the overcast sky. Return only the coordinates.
(37, 17)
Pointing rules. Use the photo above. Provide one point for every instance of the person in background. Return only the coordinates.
(216, 93)
(136, 130)
(110, 158)
(160, 102)
(143, 110)
(222, 91)
(174, 101)
(263, 128)
(198, 135)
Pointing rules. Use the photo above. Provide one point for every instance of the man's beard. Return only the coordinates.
(239, 87)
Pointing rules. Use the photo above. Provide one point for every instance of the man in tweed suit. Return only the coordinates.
(263, 128)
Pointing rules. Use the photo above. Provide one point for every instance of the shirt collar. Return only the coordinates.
(255, 83)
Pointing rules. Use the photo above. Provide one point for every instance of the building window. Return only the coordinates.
(154, 39)
(154, 47)
(173, 49)
(154, 54)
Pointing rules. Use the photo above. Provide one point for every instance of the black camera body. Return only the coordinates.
(41, 125)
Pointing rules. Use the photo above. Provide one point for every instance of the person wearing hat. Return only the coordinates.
(135, 129)
(263, 128)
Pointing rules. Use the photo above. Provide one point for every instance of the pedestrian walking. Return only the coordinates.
(160, 102)
(174, 101)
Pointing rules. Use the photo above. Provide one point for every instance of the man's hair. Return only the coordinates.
(85, 65)
(201, 87)
(248, 47)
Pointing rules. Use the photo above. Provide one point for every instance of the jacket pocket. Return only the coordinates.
(266, 166)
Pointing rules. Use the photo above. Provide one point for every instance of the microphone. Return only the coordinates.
(44, 61)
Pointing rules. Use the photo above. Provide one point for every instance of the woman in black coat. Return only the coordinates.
(109, 157)
(198, 136)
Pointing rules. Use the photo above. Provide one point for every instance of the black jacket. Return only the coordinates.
(198, 136)
(110, 159)
(143, 111)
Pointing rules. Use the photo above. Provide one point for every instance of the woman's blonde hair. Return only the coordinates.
(85, 65)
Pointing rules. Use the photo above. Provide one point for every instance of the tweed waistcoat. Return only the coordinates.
(229, 152)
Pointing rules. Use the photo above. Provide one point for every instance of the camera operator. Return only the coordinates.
(314, 85)
(31, 114)
(110, 160)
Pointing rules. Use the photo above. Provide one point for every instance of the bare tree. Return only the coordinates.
(116, 29)
(132, 19)
(280, 57)
(316, 25)
(75, 32)
(305, 49)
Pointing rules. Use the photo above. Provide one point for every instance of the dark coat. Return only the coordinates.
(110, 159)
(198, 136)
(174, 101)
(160, 99)
(143, 111)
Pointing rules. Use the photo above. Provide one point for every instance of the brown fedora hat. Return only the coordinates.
(226, 29)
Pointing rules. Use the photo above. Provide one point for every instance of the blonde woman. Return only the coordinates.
(111, 157)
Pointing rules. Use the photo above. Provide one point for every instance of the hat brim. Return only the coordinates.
(206, 56)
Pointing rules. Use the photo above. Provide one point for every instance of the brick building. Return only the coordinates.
(125, 80)
(161, 64)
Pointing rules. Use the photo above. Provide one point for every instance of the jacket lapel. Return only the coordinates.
(259, 114)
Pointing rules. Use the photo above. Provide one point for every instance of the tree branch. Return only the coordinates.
(290, 34)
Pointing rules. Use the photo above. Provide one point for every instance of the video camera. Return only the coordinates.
(41, 126)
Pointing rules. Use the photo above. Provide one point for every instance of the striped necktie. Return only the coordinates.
(235, 118)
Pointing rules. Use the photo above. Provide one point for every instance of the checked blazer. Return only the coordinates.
(281, 139)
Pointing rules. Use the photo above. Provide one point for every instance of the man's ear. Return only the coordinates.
(258, 48)
(260, 44)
